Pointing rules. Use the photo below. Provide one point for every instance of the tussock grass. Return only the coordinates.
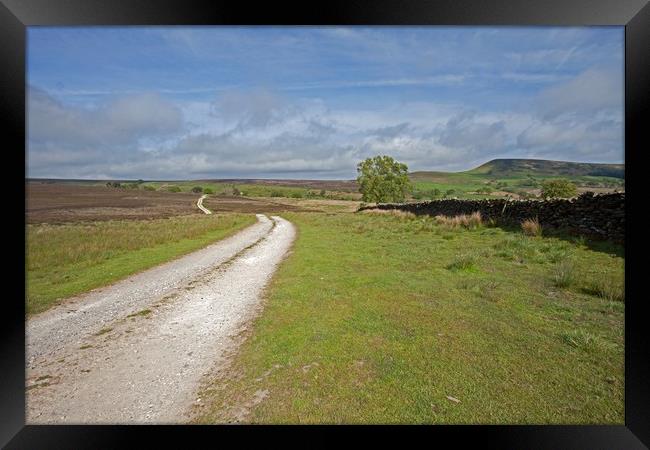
(563, 274)
(585, 341)
(468, 221)
(531, 227)
(64, 260)
(463, 262)
(524, 249)
(486, 289)
(607, 288)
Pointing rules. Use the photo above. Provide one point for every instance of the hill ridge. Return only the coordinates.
(545, 167)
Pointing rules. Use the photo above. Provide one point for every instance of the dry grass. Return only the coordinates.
(64, 260)
(469, 221)
(564, 273)
(52, 246)
(531, 227)
(390, 212)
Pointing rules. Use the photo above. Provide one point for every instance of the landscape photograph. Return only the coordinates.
(325, 225)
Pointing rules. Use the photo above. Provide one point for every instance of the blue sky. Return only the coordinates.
(310, 102)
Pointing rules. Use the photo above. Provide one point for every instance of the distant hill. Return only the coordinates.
(541, 167)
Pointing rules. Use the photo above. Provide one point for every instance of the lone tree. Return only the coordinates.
(382, 179)
(558, 189)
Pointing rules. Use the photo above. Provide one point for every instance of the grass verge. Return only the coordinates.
(370, 320)
(65, 260)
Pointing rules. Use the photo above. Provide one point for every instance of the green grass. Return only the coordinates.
(366, 322)
(143, 313)
(65, 260)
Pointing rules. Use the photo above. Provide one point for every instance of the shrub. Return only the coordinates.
(531, 227)
(296, 194)
(235, 191)
(197, 189)
(558, 189)
(470, 221)
(208, 191)
(276, 194)
(174, 189)
(149, 188)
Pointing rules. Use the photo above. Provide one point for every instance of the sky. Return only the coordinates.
(168, 103)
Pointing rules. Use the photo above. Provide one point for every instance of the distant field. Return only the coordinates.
(64, 260)
(261, 188)
(314, 189)
(82, 202)
(381, 319)
(67, 202)
(516, 178)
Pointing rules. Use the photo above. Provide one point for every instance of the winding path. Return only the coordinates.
(136, 351)
(199, 203)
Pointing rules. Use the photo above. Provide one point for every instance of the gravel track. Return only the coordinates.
(135, 352)
(199, 203)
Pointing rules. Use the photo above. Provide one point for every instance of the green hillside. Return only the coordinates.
(518, 178)
(541, 167)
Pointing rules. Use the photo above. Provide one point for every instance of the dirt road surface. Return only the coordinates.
(137, 351)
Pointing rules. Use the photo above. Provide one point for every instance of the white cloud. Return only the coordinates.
(262, 132)
(120, 121)
(591, 91)
(581, 119)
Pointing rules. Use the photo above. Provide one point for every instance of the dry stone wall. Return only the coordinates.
(600, 216)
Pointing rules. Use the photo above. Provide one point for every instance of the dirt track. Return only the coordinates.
(135, 352)
(199, 203)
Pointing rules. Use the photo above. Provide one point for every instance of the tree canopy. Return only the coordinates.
(382, 179)
(558, 189)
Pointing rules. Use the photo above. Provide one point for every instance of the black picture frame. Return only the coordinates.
(16, 15)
